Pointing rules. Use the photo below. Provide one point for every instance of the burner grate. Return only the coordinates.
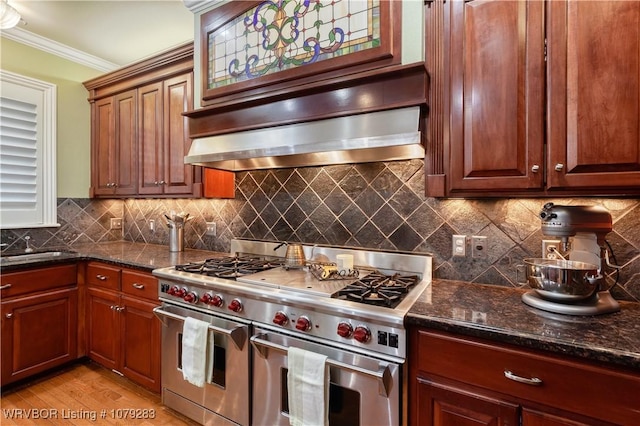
(379, 289)
(230, 267)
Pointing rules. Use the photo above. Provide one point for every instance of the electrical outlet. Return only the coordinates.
(548, 247)
(211, 229)
(459, 245)
(152, 225)
(116, 223)
(478, 246)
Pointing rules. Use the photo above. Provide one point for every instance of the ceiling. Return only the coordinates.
(118, 32)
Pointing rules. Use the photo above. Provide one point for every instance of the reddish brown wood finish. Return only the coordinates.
(219, 184)
(114, 163)
(39, 321)
(387, 88)
(441, 405)
(496, 95)
(123, 334)
(139, 136)
(571, 390)
(388, 53)
(163, 137)
(594, 94)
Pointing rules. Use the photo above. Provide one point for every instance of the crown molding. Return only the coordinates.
(58, 49)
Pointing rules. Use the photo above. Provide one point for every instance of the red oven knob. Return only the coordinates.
(345, 329)
(173, 290)
(280, 318)
(217, 301)
(190, 297)
(235, 305)
(181, 292)
(303, 323)
(362, 334)
(206, 298)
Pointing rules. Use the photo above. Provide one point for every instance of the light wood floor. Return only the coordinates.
(80, 393)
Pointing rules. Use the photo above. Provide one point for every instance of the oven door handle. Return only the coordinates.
(383, 374)
(237, 334)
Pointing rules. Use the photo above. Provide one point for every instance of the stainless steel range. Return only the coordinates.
(257, 309)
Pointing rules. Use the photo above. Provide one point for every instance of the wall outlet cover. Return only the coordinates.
(459, 245)
(211, 229)
(478, 246)
(116, 223)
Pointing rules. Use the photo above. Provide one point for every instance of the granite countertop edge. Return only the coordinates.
(516, 324)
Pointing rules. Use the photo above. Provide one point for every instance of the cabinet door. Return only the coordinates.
(38, 333)
(496, 94)
(104, 147)
(440, 405)
(150, 138)
(178, 98)
(594, 94)
(103, 327)
(140, 342)
(126, 145)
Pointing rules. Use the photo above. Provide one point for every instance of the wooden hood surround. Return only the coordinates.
(361, 82)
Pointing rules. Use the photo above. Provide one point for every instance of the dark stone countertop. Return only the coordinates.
(498, 314)
(146, 257)
(484, 311)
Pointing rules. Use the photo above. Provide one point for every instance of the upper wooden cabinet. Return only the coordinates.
(163, 136)
(139, 135)
(527, 99)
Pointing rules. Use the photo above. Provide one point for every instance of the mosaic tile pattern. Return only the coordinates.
(376, 205)
(81, 221)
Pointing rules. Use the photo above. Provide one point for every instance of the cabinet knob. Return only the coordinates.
(9, 315)
(535, 168)
(101, 277)
(559, 167)
(163, 182)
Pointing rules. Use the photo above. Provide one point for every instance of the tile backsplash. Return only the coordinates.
(375, 205)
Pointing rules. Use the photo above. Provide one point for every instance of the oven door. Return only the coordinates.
(226, 389)
(363, 390)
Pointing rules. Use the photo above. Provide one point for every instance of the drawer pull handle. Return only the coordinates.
(138, 286)
(101, 277)
(9, 315)
(6, 286)
(533, 381)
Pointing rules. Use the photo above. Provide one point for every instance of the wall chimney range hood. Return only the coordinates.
(358, 118)
(376, 136)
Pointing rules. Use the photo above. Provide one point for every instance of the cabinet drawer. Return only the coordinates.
(32, 280)
(602, 393)
(103, 276)
(139, 284)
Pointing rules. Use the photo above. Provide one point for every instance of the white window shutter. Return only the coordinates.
(27, 152)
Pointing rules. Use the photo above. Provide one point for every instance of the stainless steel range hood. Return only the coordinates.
(377, 136)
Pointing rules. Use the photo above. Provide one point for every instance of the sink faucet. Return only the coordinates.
(28, 249)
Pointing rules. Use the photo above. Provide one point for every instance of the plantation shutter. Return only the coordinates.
(27, 152)
(18, 155)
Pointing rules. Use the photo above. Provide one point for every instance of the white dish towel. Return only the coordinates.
(308, 388)
(194, 350)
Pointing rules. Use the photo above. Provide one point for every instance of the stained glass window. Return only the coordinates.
(284, 34)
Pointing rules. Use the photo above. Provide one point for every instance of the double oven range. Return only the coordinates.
(257, 309)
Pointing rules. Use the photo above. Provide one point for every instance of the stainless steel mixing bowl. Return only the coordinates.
(560, 280)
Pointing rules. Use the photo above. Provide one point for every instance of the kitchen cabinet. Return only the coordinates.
(39, 315)
(123, 333)
(528, 100)
(163, 139)
(114, 135)
(139, 135)
(458, 380)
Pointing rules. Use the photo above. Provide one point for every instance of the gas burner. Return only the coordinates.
(379, 289)
(230, 267)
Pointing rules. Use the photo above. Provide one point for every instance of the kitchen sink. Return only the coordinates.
(27, 257)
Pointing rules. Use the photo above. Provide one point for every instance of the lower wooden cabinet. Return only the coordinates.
(39, 321)
(457, 381)
(123, 333)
